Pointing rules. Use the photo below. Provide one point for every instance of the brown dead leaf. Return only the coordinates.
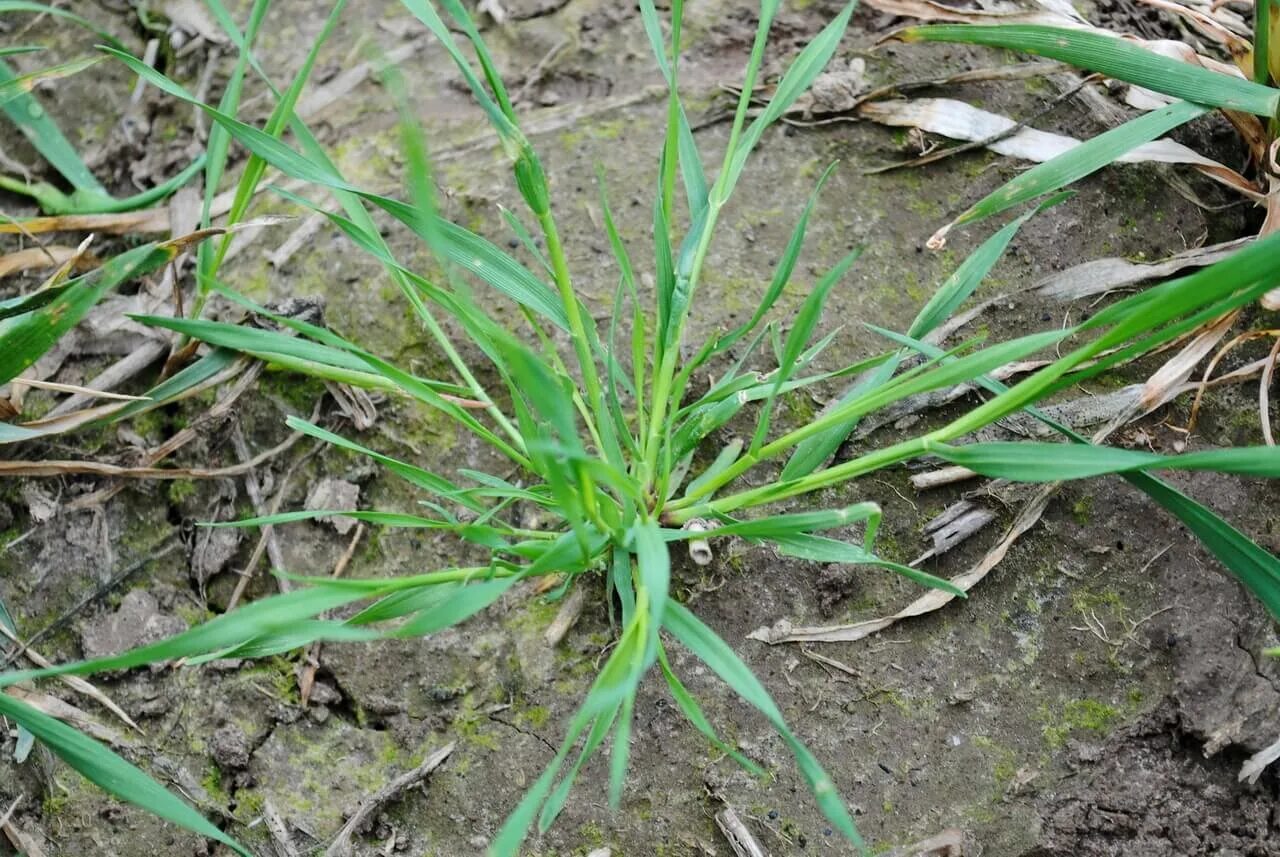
(34, 258)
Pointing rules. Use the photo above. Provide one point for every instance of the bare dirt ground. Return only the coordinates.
(1094, 696)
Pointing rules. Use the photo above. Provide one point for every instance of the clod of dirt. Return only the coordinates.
(835, 584)
(41, 505)
(212, 552)
(1148, 793)
(138, 622)
(835, 90)
(230, 748)
(335, 495)
(1223, 696)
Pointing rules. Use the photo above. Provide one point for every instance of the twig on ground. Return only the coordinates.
(1264, 407)
(246, 574)
(122, 370)
(13, 807)
(741, 839)
(311, 661)
(220, 409)
(341, 846)
(72, 681)
(254, 490)
(95, 468)
(25, 844)
(941, 476)
(279, 830)
(568, 614)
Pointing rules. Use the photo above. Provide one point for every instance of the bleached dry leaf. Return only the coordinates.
(493, 8)
(1206, 23)
(961, 121)
(122, 223)
(34, 258)
(1258, 762)
(85, 391)
(928, 10)
(1165, 384)
(1104, 275)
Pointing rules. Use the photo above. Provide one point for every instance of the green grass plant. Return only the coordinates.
(605, 427)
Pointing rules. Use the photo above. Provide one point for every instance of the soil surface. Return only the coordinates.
(1095, 695)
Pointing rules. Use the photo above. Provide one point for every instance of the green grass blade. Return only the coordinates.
(10, 6)
(104, 768)
(1048, 462)
(693, 713)
(218, 146)
(802, 328)
(1113, 57)
(1079, 161)
(24, 338)
(723, 460)
(23, 84)
(955, 290)
(620, 752)
(281, 115)
(795, 523)
(560, 794)
(412, 474)
(781, 275)
(180, 384)
(653, 564)
(1261, 41)
(1257, 570)
(795, 81)
(462, 605)
(35, 123)
(721, 659)
(229, 629)
(272, 346)
(461, 247)
(822, 549)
